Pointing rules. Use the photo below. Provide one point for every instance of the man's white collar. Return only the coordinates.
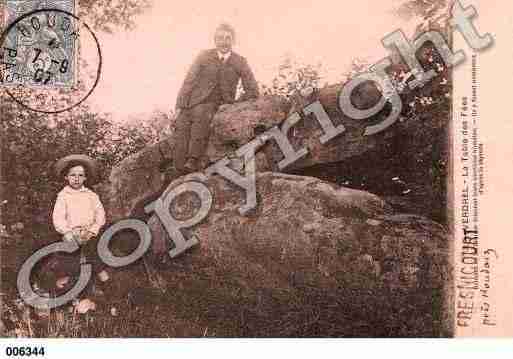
(223, 57)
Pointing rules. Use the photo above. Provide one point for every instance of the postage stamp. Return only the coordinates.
(39, 43)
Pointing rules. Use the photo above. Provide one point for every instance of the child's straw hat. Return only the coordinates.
(90, 165)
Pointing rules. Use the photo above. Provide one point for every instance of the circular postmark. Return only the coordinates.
(42, 52)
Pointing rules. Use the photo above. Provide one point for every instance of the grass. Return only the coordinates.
(144, 310)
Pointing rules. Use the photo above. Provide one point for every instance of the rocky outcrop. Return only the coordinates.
(236, 125)
(414, 149)
(313, 259)
(145, 172)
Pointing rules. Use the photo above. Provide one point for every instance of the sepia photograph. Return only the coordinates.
(239, 169)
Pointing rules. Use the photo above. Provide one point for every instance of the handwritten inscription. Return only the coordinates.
(487, 314)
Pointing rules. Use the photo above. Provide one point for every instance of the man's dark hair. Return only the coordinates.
(226, 27)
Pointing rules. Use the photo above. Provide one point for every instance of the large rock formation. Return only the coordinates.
(146, 172)
(313, 259)
(236, 125)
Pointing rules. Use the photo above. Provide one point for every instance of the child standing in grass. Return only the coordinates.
(78, 214)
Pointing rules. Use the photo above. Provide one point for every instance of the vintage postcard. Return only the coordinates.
(289, 170)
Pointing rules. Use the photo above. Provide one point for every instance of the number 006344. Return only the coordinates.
(24, 351)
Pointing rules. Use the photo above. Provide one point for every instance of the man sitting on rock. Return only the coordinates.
(211, 82)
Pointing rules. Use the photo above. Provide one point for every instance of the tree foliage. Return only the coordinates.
(107, 15)
(294, 79)
(32, 142)
(423, 8)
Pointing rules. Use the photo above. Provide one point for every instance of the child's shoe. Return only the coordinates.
(85, 305)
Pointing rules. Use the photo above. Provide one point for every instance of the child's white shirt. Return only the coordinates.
(78, 208)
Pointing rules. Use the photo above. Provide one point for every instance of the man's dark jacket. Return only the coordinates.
(208, 71)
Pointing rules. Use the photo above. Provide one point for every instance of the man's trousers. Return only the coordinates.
(192, 132)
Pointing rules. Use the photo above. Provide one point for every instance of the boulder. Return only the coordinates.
(147, 171)
(236, 125)
(312, 259)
